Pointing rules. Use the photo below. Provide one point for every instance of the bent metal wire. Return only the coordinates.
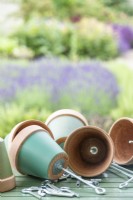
(126, 172)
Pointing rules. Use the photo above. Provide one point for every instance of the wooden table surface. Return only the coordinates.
(110, 182)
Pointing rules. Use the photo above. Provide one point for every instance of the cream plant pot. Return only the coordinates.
(63, 122)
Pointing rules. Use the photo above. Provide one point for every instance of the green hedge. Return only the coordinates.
(54, 38)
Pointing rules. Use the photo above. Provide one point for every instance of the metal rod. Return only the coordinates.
(121, 171)
(122, 168)
(29, 191)
(125, 172)
(125, 184)
(98, 190)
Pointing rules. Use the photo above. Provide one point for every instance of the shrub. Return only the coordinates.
(46, 38)
(54, 38)
(95, 40)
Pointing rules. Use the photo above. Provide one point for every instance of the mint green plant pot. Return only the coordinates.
(18, 127)
(34, 152)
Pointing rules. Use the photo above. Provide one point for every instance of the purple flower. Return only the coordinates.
(124, 36)
(67, 84)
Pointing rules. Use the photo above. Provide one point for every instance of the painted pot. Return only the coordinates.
(7, 179)
(63, 122)
(34, 152)
(90, 151)
(121, 133)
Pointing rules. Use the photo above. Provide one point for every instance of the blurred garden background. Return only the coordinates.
(57, 54)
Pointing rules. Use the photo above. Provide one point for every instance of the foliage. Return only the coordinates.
(7, 45)
(124, 76)
(54, 38)
(72, 10)
(12, 113)
(119, 5)
(47, 37)
(32, 8)
(91, 42)
(45, 85)
(76, 10)
(50, 31)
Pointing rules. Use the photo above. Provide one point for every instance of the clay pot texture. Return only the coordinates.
(63, 122)
(121, 133)
(34, 152)
(7, 179)
(90, 151)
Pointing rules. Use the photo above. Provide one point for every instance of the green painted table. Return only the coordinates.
(111, 184)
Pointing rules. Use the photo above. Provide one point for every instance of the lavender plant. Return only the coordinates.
(37, 88)
(124, 36)
(52, 83)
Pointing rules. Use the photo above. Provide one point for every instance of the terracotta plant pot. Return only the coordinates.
(90, 151)
(7, 179)
(33, 151)
(121, 133)
(63, 122)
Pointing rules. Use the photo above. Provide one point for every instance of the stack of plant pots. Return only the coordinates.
(33, 151)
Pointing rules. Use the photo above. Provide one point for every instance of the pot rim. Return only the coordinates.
(66, 112)
(61, 140)
(119, 120)
(7, 184)
(18, 127)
